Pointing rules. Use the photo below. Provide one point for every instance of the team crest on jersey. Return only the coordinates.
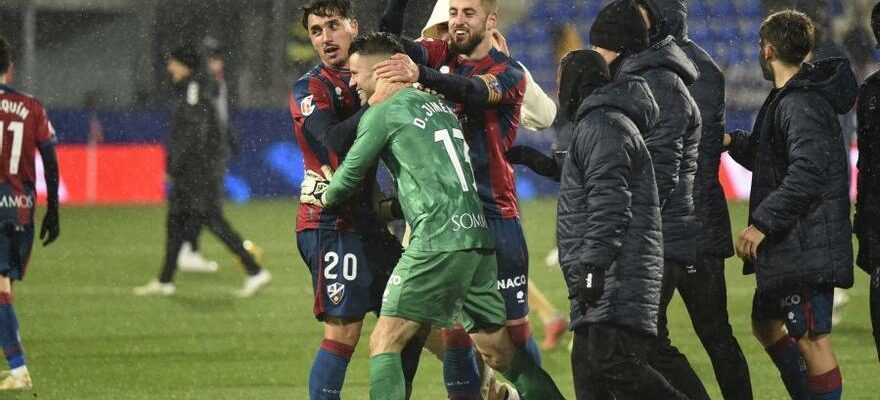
(336, 291)
(306, 106)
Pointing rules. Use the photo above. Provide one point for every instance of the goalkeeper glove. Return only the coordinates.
(314, 185)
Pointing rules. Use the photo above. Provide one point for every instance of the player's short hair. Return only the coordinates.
(376, 43)
(791, 33)
(5, 55)
(490, 5)
(327, 8)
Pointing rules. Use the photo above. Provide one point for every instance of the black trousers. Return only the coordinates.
(609, 362)
(704, 291)
(875, 306)
(183, 224)
(665, 357)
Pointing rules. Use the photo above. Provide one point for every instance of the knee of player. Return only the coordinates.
(343, 331)
(768, 332)
(385, 341)
(815, 344)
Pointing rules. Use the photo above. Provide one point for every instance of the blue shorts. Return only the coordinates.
(513, 265)
(803, 311)
(349, 270)
(16, 242)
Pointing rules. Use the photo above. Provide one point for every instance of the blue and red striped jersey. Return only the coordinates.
(324, 90)
(491, 130)
(23, 126)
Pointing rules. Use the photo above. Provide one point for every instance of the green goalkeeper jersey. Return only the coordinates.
(421, 142)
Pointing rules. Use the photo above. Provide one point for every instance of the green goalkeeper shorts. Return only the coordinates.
(440, 288)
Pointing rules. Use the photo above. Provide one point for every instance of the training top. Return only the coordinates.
(420, 140)
(23, 126)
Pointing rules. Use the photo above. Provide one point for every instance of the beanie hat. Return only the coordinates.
(580, 73)
(620, 27)
(187, 55)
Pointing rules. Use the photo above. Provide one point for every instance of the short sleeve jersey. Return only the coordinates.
(23, 126)
(324, 90)
(491, 130)
(420, 140)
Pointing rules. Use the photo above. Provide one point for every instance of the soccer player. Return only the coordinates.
(487, 87)
(702, 286)
(24, 128)
(537, 113)
(867, 220)
(448, 271)
(673, 143)
(195, 201)
(608, 231)
(349, 252)
(799, 239)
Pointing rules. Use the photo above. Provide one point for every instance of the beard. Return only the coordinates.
(468, 47)
(766, 69)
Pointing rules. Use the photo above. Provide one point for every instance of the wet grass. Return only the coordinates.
(88, 337)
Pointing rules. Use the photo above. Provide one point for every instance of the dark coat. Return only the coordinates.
(673, 141)
(867, 222)
(713, 219)
(196, 146)
(800, 184)
(608, 211)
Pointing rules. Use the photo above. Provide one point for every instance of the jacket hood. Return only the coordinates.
(832, 78)
(439, 16)
(672, 15)
(629, 94)
(663, 54)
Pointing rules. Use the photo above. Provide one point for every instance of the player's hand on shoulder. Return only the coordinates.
(399, 68)
(50, 229)
(314, 185)
(499, 41)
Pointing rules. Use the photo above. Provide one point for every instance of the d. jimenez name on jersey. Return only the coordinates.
(431, 108)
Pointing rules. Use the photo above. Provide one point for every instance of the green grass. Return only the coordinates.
(88, 337)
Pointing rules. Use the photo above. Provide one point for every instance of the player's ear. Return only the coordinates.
(492, 20)
(354, 26)
(769, 52)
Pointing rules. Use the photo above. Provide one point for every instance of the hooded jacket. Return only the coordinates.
(800, 183)
(608, 210)
(673, 141)
(867, 222)
(713, 219)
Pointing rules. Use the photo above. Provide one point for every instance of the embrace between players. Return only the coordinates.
(646, 119)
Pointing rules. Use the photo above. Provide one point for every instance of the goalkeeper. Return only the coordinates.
(448, 272)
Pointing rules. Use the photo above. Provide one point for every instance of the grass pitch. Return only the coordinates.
(87, 337)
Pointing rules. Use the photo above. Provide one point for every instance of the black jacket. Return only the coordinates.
(800, 184)
(196, 147)
(713, 219)
(673, 141)
(608, 211)
(867, 223)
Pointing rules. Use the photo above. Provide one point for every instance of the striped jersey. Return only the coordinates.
(324, 90)
(23, 126)
(491, 130)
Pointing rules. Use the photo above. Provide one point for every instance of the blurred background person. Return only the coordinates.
(195, 140)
